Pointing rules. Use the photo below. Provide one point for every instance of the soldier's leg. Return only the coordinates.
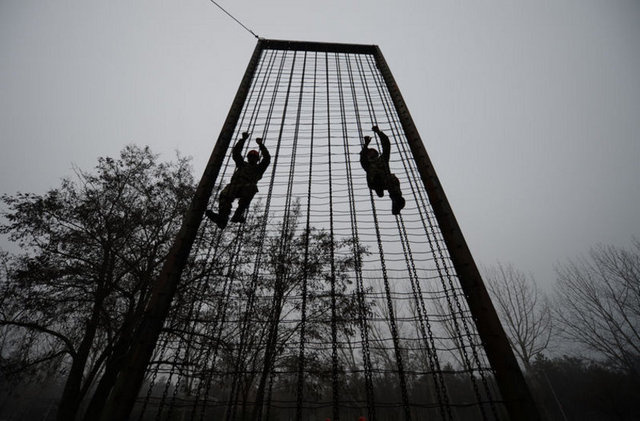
(245, 200)
(376, 183)
(393, 186)
(225, 200)
(227, 196)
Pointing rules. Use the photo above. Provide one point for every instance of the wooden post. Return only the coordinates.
(123, 396)
(511, 382)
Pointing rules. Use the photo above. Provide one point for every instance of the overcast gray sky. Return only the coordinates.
(530, 111)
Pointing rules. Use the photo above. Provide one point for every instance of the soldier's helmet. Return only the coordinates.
(253, 156)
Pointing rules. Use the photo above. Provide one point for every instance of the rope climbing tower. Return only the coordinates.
(322, 304)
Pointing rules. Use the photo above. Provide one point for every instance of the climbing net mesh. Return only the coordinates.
(322, 305)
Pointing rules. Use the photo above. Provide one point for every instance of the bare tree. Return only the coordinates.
(599, 303)
(523, 309)
(89, 250)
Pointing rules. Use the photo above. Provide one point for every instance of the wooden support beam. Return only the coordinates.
(511, 382)
(122, 398)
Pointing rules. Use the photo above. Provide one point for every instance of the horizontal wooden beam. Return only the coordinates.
(325, 47)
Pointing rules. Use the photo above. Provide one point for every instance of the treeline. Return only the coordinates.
(566, 388)
(71, 300)
(593, 310)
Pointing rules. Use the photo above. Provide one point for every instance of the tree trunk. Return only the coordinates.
(71, 396)
(115, 362)
(108, 379)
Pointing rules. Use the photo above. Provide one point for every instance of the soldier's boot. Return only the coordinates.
(398, 203)
(238, 216)
(219, 220)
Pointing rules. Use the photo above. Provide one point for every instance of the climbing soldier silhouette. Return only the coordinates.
(243, 184)
(379, 176)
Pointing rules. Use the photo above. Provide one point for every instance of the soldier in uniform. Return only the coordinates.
(243, 184)
(379, 176)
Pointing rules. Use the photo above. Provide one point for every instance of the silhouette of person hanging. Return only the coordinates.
(379, 176)
(243, 184)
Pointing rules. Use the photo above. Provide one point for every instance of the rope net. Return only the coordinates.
(322, 305)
